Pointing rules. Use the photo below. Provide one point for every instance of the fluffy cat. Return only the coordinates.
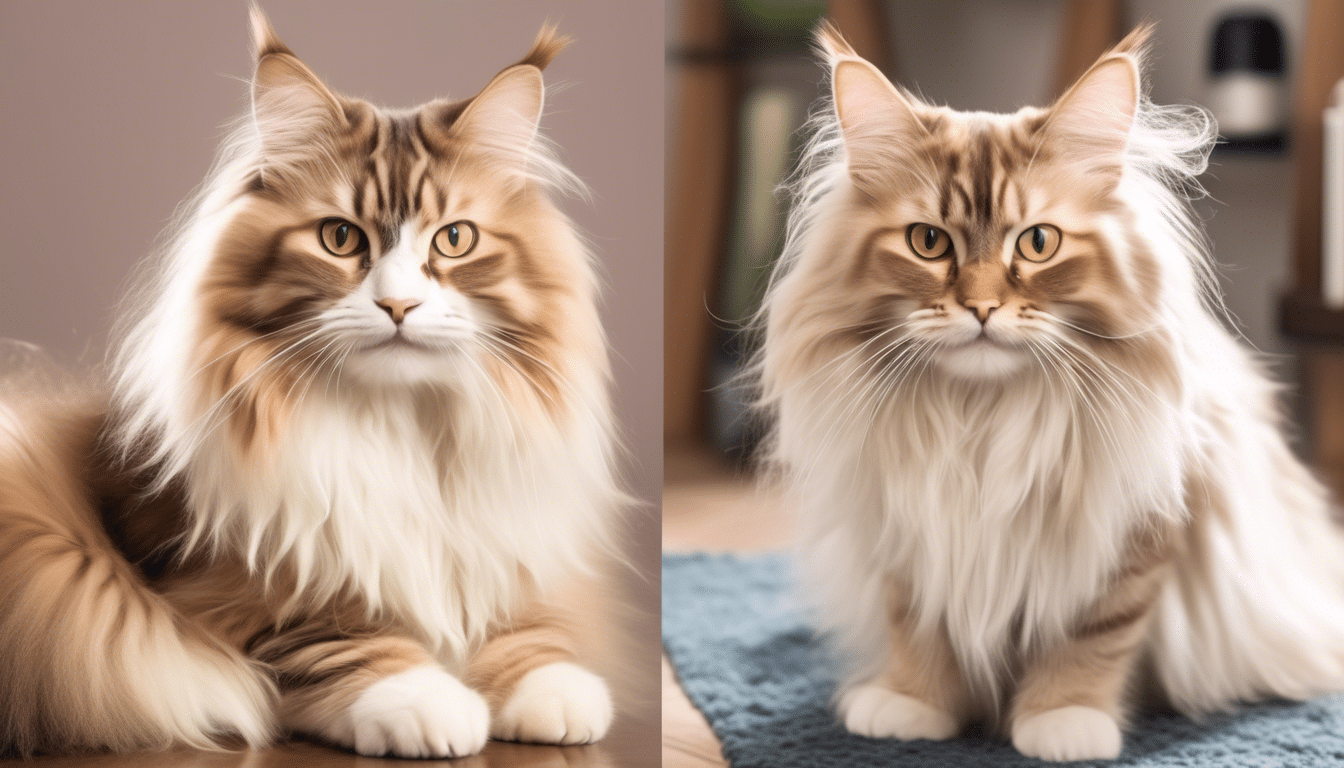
(357, 450)
(1037, 475)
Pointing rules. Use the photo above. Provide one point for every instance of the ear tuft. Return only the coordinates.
(831, 43)
(264, 39)
(1137, 41)
(548, 45)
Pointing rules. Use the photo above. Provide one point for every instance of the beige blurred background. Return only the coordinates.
(112, 112)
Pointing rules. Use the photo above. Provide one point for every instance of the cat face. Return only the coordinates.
(983, 240)
(395, 248)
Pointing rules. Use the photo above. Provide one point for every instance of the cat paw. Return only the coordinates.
(422, 712)
(871, 710)
(1068, 733)
(558, 703)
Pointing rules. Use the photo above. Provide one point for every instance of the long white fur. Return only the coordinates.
(1003, 505)
(363, 494)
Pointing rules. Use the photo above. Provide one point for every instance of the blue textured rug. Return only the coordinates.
(748, 661)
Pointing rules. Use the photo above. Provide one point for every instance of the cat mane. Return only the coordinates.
(531, 485)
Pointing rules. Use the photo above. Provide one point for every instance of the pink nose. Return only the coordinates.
(397, 308)
(981, 308)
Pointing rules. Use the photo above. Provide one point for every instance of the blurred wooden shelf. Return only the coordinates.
(1307, 319)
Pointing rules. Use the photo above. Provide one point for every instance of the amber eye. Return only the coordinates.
(928, 242)
(1039, 243)
(456, 240)
(341, 238)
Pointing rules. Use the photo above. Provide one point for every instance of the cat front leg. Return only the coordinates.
(377, 693)
(918, 694)
(1070, 702)
(537, 690)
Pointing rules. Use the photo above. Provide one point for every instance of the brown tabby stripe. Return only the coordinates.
(319, 681)
(535, 641)
(980, 174)
(68, 598)
(1062, 279)
(994, 155)
(1093, 665)
(922, 665)
(328, 660)
(868, 252)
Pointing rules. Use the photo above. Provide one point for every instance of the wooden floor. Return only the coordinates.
(608, 754)
(629, 745)
(709, 507)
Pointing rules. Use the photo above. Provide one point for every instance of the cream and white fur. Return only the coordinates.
(1003, 508)
(359, 496)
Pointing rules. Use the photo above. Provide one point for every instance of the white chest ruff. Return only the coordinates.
(999, 517)
(442, 533)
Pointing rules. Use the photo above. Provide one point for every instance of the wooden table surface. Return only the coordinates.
(608, 754)
(632, 743)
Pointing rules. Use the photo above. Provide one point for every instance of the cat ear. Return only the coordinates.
(878, 123)
(1090, 123)
(290, 104)
(501, 121)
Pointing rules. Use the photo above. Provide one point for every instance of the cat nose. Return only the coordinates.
(397, 308)
(981, 308)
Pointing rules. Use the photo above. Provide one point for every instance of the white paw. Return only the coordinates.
(1068, 733)
(558, 703)
(871, 710)
(422, 712)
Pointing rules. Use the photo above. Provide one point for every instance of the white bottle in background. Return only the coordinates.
(1248, 105)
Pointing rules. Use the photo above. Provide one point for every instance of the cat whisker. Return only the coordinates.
(1061, 321)
(875, 388)
(587, 410)
(206, 423)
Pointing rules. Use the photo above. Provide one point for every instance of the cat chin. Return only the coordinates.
(981, 360)
(394, 366)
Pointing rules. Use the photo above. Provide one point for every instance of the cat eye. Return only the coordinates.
(1039, 243)
(455, 240)
(928, 242)
(341, 238)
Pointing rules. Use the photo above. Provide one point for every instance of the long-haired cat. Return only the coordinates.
(1036, 473)
(356, 451)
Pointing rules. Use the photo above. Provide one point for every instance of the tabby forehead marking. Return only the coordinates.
(979, 168)
(395, 180)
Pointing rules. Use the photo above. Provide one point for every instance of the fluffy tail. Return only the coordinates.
(1257, 607)
(90, 657)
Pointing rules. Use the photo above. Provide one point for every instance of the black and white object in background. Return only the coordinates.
(1332, 202)
(1247, 89)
